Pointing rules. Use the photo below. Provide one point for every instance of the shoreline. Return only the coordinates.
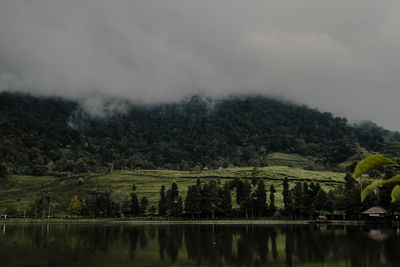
(175, 222)
(245, 222)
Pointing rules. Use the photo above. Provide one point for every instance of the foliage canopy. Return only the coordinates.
(370, 163)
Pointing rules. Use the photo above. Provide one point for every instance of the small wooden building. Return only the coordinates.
(375, 215)
(375, 212)
(322, 219)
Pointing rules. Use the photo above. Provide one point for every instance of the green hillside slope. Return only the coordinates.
(293, 160)
(360, 154)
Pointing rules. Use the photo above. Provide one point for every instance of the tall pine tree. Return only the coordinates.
(135, 208)
(260, 198)
(193, 200)
(162, 203)
(174, 201)
(272, 207)
(285, 194)
(226, 199)
(209, 198)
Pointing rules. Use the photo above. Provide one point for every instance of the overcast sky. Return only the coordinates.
(340, 56)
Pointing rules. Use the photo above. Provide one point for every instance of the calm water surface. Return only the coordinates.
(198, 245)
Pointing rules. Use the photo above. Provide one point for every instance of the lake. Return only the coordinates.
(197, 245)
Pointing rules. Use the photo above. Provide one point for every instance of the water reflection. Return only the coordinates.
(377, 234)
(198, 245)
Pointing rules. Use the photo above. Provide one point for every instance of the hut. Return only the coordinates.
(375, 214)
(322, 219)
(205, 168)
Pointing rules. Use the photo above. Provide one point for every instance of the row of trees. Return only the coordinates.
(212, 199)
(111, 204)
(234, 198)
(209, 200)
(309, 200)
(302, 201)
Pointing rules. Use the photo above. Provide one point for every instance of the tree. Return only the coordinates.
(351, 201)
(174, 201)
(3, 169)
(103, 204)
(120, 198)
(331, 200)
(373, 162)
(80, 166)
(74, 206)
(272, 207)
(193, 200)
(50, 204)
(243, 190)
(308, 204)
(44, 205)
(298, 200)
(184, 166)
(152, 210)
(321, 201)
(177, 207)
(172, 194)
(35, 207)
(285, 194)
(138, 161)
(143, 205)
(23, 207)
(162, 203)
(226, 199)
(209, 198)
(254, 174)
(260, 198)
(135, 208)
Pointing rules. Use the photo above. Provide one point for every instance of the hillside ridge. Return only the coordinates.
(51, 136)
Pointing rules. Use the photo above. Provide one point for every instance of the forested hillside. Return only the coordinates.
(54, 136)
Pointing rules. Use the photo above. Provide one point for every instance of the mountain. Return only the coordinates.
(54, 136)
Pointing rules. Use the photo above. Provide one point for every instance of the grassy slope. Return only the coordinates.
(20, 191)
(392, 150)
(292, 160)
(359, 155)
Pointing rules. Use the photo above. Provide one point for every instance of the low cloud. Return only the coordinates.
(339, 56)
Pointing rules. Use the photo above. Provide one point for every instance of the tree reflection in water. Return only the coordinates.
(198, 245)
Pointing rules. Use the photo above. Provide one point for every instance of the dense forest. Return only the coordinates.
(54, 136)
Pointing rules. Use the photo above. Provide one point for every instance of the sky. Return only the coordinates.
(339, 56)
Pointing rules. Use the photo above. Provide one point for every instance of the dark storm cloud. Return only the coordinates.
(340, 56)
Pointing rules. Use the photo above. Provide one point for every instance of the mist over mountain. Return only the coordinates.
(54, 135)
(339, 56)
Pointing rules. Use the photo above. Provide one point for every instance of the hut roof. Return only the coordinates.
(375, 210)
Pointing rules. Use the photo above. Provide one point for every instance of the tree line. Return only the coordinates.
(236, 198)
